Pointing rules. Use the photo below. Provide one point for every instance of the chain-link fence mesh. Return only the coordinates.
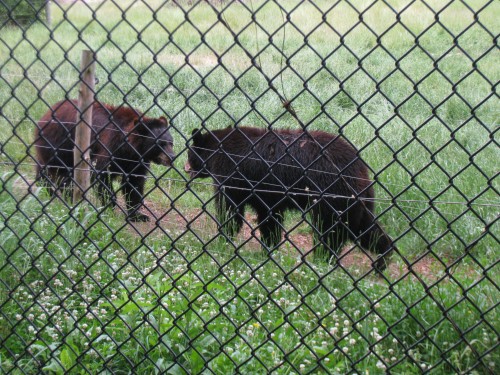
(276, 187)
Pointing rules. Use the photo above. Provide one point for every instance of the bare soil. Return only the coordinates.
(351, 258)
(172, 221)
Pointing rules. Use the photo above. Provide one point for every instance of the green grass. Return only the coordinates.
(419, 106)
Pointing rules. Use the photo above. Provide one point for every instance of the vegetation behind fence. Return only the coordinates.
(411, 85)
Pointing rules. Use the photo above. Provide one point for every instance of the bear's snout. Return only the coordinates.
(190, 171)
(166, 159)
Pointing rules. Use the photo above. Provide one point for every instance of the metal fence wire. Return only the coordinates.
(276, 187)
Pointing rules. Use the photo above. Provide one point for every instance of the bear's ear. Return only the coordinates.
(164, 120)
(136, 123)
(196, 136)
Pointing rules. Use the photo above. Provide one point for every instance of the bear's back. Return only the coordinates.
(285, 147)
(55, 129)
(111, 117)
(296, 158)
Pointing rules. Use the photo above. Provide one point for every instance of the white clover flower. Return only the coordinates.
(380, 365)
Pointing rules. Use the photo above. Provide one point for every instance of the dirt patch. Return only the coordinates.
(201, 223)
(174, 223)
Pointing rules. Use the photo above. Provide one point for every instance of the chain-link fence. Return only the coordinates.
(275, 187)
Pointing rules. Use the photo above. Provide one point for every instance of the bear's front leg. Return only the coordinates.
(133, 188)
(270, 226)
(329, 231)
(229, 215)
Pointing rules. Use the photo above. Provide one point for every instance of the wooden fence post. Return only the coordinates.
(83, 131)
(48, 13)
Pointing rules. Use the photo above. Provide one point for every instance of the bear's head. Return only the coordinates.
(158, 142)
(199, 153)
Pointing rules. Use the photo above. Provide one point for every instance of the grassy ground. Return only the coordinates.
(85, 292)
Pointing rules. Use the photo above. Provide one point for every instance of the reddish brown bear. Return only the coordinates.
(273, 171)
(124, 143)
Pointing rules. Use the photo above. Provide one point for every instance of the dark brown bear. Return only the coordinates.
(123, 145)
(274, 171)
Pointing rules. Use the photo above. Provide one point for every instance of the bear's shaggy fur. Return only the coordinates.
(123, 145)
(318, 173)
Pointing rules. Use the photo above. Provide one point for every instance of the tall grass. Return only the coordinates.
(84, 292)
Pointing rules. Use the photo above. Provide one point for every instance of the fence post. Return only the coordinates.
(48, 13)
(81, 151)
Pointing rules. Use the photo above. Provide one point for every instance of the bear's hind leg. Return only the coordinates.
(57, 181)
(45, 179)
(374, 238)
(328, 231)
